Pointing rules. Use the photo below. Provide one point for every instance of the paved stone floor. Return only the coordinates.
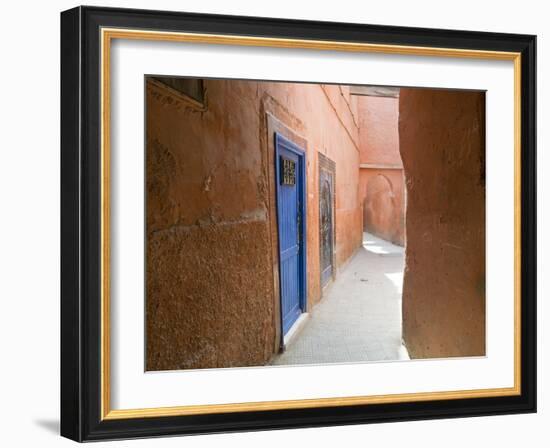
(359, 317)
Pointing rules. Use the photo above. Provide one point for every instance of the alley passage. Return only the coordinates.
(359, 317)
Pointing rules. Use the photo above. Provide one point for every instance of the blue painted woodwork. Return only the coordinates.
(291, 219)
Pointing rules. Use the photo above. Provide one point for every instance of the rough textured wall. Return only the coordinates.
(442, 143)
(208, 270)
(381, 177)
(211, 271)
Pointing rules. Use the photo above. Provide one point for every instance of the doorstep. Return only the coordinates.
(295, 329)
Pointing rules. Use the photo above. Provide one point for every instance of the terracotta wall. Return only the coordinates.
(379, 131)
(381, 175)
(211, 265)
(442, 143)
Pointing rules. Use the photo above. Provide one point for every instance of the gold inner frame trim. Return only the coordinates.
(107, 35)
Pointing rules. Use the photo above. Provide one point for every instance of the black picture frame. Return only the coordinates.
(81, 227)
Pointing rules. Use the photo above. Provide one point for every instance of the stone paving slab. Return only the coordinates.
(359, 317)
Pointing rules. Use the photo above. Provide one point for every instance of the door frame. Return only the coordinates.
(327, 164)
(281, 140)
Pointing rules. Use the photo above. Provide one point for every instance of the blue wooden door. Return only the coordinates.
(290, 176)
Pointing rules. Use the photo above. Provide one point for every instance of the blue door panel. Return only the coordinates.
(291, 300)
(290, 173)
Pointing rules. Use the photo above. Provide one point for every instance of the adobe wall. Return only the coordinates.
(442, 143)
(384, 203)
(381, 175)
(212, 285)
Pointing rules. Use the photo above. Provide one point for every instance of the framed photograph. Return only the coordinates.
(273, 223)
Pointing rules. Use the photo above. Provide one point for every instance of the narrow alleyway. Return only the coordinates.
(359, 317)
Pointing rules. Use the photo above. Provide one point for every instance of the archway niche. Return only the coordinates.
(381, 212)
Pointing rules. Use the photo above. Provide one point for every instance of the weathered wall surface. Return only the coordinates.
(208, 272)
(381, 176)
(211, 265)
(442, 143)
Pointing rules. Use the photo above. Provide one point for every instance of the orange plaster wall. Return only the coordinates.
(383, 191)
(210, 269)
(381, 184)
(379, 132)
(442, 143)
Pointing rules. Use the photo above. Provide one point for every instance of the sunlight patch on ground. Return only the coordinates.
(376, 249)
(397, 279)
(402, 353)
(379, 246)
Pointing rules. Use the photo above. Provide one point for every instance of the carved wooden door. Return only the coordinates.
(326, 225)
